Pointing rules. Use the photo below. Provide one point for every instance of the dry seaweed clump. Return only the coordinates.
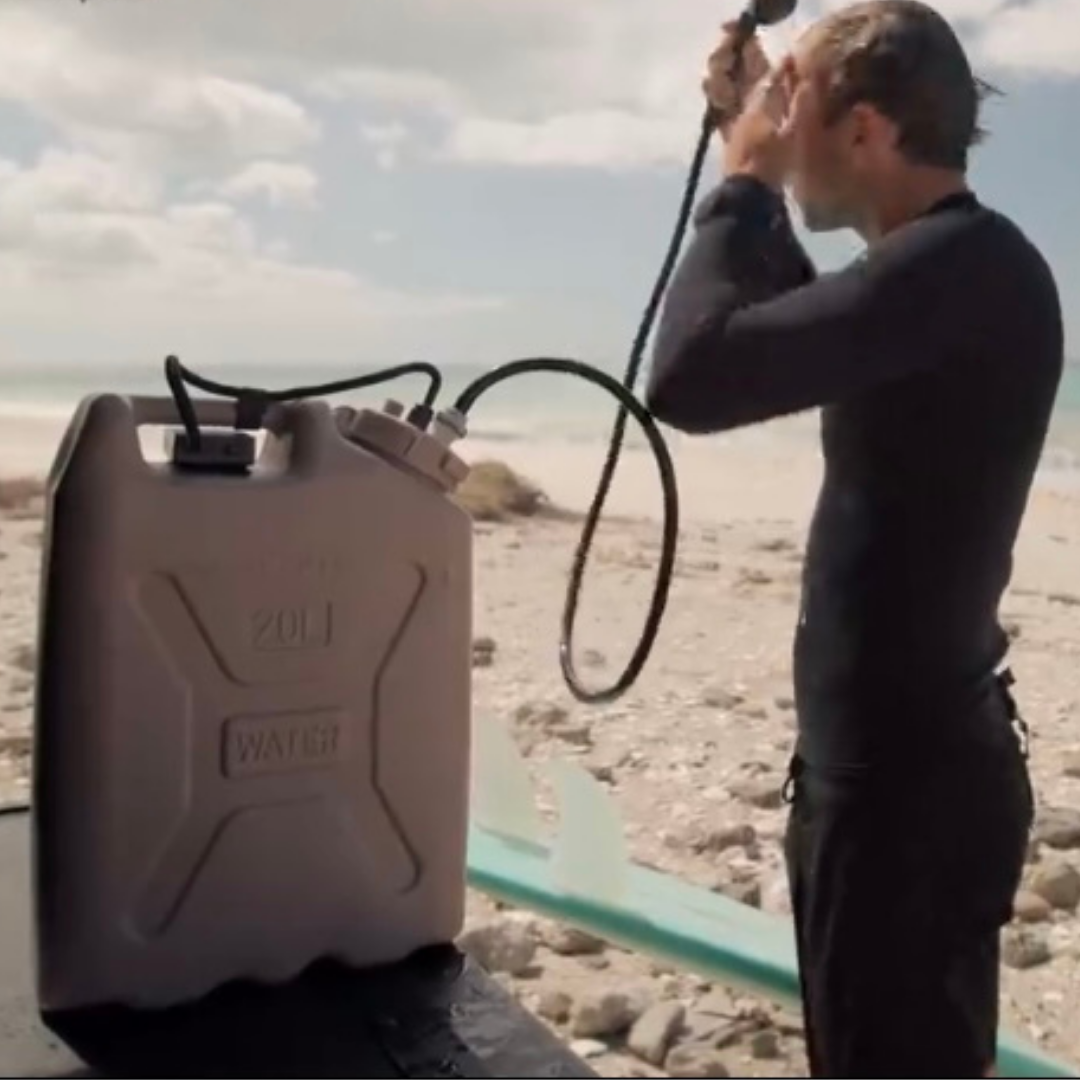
(22, 496)
(494, 492)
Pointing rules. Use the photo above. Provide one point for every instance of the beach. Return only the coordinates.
(706, 733)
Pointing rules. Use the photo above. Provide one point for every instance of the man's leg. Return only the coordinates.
(901, 882)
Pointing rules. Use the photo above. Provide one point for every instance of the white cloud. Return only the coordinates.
(480, 44)
(600, 139)
(90, 239)
(506, 81)
(388, 141)
(73, 182)
(146, 109)
(611, 83)
(71, 212)
(1038, 37)
(281, 183)
(95, 244)
(171, 116)
(406, 88)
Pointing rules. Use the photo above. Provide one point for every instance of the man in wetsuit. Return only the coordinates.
(935, 357)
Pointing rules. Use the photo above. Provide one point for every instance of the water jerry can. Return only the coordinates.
(253, 710)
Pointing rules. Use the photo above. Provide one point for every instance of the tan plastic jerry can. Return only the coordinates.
(253, 717)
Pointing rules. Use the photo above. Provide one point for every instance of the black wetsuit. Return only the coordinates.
(936, 357)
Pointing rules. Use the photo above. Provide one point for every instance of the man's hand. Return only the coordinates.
(729, 80)
(758, 142)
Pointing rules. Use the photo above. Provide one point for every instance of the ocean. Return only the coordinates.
(534, 409)
(540, 405)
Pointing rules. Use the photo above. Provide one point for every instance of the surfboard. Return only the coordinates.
(689, 926)
(585, 878)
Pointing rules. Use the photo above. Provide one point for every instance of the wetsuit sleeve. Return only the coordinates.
(750, 332)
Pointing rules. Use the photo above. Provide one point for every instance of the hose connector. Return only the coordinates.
(450, 426)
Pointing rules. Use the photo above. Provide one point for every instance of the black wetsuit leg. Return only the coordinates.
(902, 876)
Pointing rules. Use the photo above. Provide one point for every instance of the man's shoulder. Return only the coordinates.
(1012, 293)
(989, 285)
(999, 258)
(1028, 278)
(1006, 235)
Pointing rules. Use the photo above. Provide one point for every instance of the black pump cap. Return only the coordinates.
(216, 451)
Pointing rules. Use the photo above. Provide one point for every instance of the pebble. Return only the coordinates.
(1061, 939)
(1068, 599)
(746, 865)
(602, 771)
(483, 652)
(765, 793)
(1023, 948)
(595, 962)
(574, 734)
(725, 838)
(541, 714)
(751, 575)
(570, 941)
(505, 944)
(24, 657)
(776, 897)
(655, 1030)
(1058, 883)
(717, 697)
(537, 722)
(555, 1005)
(779, 543)
(601, 1013)
(1058, 828)
(716, 1003)
(17, 744)
(765, 1045)
(754, 712)
(789, 1023)
(586, 1049)
(1030, 908)
(696, 1061)
(742, 892)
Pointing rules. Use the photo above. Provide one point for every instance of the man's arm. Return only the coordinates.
(749, 333)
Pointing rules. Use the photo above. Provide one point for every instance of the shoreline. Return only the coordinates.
(716, 474)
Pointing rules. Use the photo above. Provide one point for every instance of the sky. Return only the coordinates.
(368, 181)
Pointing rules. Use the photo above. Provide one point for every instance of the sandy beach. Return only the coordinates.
(706, 733)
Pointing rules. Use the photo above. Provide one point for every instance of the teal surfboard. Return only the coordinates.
(689, 926)
(585, 878)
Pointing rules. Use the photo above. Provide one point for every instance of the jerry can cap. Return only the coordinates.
(391, 437)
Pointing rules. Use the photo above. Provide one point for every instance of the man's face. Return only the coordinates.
(824, 159)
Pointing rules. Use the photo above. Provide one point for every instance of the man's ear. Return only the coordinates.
(868, 127)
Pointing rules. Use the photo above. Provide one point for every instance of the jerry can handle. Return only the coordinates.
(162, 412)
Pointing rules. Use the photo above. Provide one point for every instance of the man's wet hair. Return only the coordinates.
(905, 60)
